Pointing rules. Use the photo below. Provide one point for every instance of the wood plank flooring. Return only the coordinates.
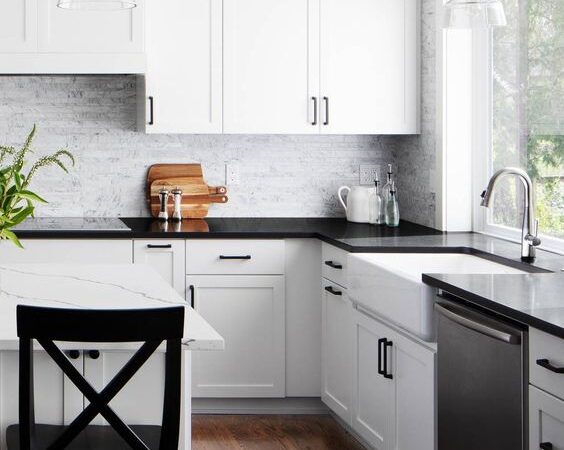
(270, 432)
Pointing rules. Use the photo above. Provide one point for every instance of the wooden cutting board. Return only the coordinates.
(196, 194)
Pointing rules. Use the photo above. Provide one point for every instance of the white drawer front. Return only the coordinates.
(548, 350)
(546, 420)
(334, 264)
(235, 257)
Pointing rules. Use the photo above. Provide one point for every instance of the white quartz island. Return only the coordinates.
(93, 287)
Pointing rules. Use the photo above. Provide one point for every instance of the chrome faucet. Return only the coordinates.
(529, 231)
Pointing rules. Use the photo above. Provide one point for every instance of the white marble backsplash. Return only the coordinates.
(94, 116)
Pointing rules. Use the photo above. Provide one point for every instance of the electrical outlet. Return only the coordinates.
(369, 173)
(232, 175)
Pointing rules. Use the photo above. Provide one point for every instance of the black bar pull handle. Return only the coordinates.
(548, 366)
(545, 446)
(192, 290)
(380, 342)
(159, 245)
(244, 257)
(74, 354)
(332, 291)
(94, 354)
(326, 100)
(386, 374)
(151, 110)
(314, 111)
(333, 265)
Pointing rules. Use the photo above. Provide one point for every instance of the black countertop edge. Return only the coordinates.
(497, 308)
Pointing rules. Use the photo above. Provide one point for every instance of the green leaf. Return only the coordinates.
(23, 214)
(7, 234)
(31, 196)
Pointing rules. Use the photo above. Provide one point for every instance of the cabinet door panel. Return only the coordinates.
(166, 257)
(82, 31)
(369, 66)
(183, 83)
(140, 402)
(546, 420)
(269, 74)
(248, 311)
(373, 398)
(337, 346)
(18, 26)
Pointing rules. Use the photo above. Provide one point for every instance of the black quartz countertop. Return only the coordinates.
(536, 300)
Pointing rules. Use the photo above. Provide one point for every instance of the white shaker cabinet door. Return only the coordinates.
(270, 66)
(373, 397)
(546, 421)
(18, 26)
(82, 31)
(337, 350)
(166, 257)
(182, 88)
(369, 66)
(249, 312)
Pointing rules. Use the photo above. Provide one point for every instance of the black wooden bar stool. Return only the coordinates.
(150, 326)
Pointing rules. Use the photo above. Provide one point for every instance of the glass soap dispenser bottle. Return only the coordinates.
(375, 205)
(392, 207)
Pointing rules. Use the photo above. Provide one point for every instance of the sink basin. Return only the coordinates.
(389, 284)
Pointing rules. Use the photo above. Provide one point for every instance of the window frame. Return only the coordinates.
(482, 116)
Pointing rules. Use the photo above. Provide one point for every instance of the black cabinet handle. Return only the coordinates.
(546, 446)
(151, 114)
(386, 345)
(333, 265)
(332, 291)
(159, 245)
(380, 342)
(74, 354)
(246, 257)
(314, 111)
(546, 364)
(191, 288)
(94, 354)
(326, 100)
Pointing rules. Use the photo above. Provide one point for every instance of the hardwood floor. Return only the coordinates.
(267, 432)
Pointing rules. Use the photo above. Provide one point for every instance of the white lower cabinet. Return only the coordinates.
(166, 257)
(336, 347)
(394, 387)
(249, 312)
(546, 421)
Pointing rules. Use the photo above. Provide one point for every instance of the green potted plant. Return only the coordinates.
(17, 202)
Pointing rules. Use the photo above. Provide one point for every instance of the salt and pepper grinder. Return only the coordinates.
(163, 196)
(177, 214)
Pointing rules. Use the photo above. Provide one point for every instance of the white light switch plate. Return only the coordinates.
(368, 173)
(232, 175)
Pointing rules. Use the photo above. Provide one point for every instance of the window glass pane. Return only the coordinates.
(528, 110)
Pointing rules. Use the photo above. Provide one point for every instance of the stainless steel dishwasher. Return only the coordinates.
(481, 380)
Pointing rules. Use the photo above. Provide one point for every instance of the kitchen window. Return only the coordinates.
(519, 117)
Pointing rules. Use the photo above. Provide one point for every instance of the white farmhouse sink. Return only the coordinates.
(389, 284)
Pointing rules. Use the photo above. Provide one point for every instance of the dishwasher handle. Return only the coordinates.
(473, 323)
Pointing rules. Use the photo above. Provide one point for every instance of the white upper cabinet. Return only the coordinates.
(183, 82)
(369, 66)
(18, 26)
(271, 69)
(83, 31)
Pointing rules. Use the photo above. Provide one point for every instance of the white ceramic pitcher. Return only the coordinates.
(356, 205)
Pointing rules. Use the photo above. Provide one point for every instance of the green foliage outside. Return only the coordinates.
(17, 202)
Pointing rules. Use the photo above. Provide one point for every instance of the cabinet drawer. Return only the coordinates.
(546, 420)
(235, 257)
(546, 355)
(334, 264)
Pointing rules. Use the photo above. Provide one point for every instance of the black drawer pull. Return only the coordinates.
(380, 342)
(332, 291)
(94, 354)
(192, 289)
(245, 257)
(159, 245)
(333, 265)
(386, 345)
(546, 446)
(74, 354)
(151, 111)
(546, 364)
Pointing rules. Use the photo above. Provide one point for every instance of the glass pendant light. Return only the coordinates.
(97, 5)
(472, 14)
